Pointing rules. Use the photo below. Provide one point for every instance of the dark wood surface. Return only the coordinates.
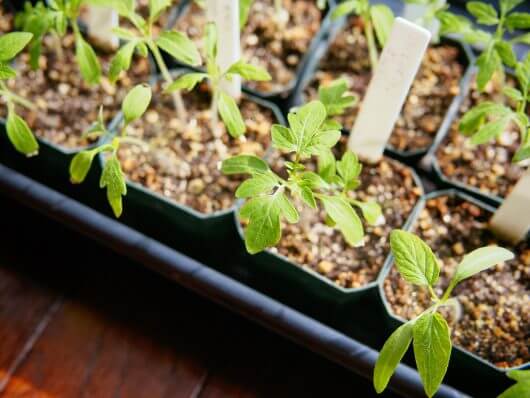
(77, 320)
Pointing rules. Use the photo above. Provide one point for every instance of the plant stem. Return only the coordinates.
(57, 46)
(214, 117)
(14, 97)
(370, 41)
(177, 97)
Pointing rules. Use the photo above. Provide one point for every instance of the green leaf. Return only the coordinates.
(323, 139)
(230, 114)
(186, 82)
(508, 5)
(521, 154)
(6, 72)
(414, 260)
(244, 8)
(473, 118)
(308, 197)
(112, 178)
(391, 354)
(244, 164)
(211, 42)
(87, 61)
(124, 34)
(513, 93)
(312, 180)
(371, 211)
(382, 18)
(347, 220)
(432, 350)
(519, 375)
(524, 38)
(257, 185)
(490, 130)
(20, 135)
(123, 7)
(349, 169)
(180, 47)
(283, 138)
(505, 51)
(488, 62)
(451, 23)
(344, 8)
(156, 7)
(287, 209)
(80, 165)
(136, 102)
(518, 390)
(121, 61)
(305, 123)
(518, 20)
(248, 71)
(485, 13)
(479, 260)
(326, 164)
(13, 43)
(334, 97)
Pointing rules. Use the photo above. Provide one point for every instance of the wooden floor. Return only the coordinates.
(77, 320)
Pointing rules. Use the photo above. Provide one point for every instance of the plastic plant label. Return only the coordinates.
(511, 221)
(100, 22)
(400, 59)
(225, 15)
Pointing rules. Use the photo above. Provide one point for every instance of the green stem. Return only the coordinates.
(370, 41)
(177, 97)
(214, 116)
(14, 97)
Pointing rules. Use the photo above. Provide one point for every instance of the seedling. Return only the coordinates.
(112, 178)
(18, 130)
(496, 49)
(270, 197)
(428, 332)
(55, 19)
(428, 14)
(522, 386)
(377, 20)
(176, 44)
(222, 103)
(488, 120)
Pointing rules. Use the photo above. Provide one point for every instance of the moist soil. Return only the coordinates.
(65, 105)
(182, 162)
(487, 167)
(6, 20)
(267, 41)
(433, 90)
(314, 245)
(495, 304)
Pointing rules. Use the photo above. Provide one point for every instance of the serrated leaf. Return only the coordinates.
(283, 138)
(326, 164)
(230, 114)
(6, 72)
(20, 135)
(451, 23)
(323, 139)
(347, 220)
(479, 260)
(414, 260)
(248, 71)
(432, 350)
(382, 19)
(13, 43)
(113, 180)
(473, 118)
(349, 169)
(308, 197)
(490, 130)
(244, 8)
(186, 82)
(136, 102)
(488, 62)
(335, 99)
(485, 13)
(87, 61)
(305, 123)
(372, 212)
(257, 185)
(518, 20)
(287, 209)
(121, 61)
(391, 354)
(312, 180)
(244, 164)
(180, 47)
(505, 51)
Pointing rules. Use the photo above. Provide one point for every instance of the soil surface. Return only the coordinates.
(486, 167)
(495, 304)
(276, 45)
(313, 244)
(6, 20)
(65, 105)
(182, 162)
(432, 92)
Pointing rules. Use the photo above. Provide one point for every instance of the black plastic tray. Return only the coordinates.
(207, 282)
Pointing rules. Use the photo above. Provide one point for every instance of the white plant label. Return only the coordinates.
(511, 221)
(416, 13)
(398, 64)
(100, 22)
(225, 15)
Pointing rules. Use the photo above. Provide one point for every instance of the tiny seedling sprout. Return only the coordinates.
(134, 106)
(429, 332)
(17, 129)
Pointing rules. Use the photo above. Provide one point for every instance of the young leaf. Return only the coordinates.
(505, 51)
(112, 178)
(6, 72)
(344, 8)
(248, 71)
(121, 61)
(13, 43)
(518, 20)
(180, 47)
(244, 8)
(334, 97)
(211, 42)
(488, 62)
(473, 118)
(346, 219)
(518, 390)
(186, 82)
(513, 93)
(326, 164)
(156, 7)
(136, 102)
(415, 260)
(432, 350)
(490, 130)
(257, 185)
(244, 164)
(391, 354)
(349, 168)
(519, 375)
(485, 13)
(371, 212)
(283, 138)
(20, 135)
(87, 61)
(305, 124)
(382, 18)
(230, 114)
(508, 5)
(479, 260)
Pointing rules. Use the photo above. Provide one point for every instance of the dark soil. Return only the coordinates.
(66, 105)
(485, 167)
(432, 92)
(182, 162)
(278, 47)
(313, 244)
(6, 20)
(495, 320)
